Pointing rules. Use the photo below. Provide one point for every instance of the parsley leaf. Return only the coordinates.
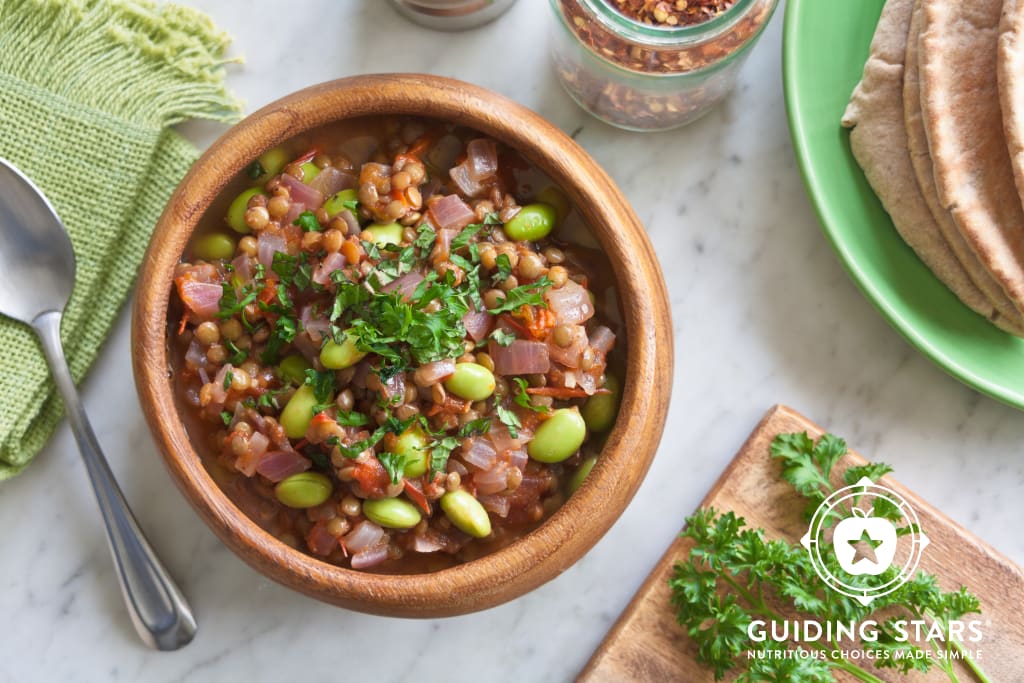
(352, 419)
(504, 269)
(475, 427)
(425, 239)
(523, 399)
(307, 221)
(227, 416)
(293, 270)
(238, 355)
(509, 419)
(255, 170)
(394, 464)
(352, 205)
(440, 451)
(228, 379)
(322, 383)
(465, 235)
(230, 304)
(531, 294)
(502, 338)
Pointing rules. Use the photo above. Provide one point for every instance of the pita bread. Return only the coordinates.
(917, 142)
(1010, 75)
(963, 122)
(879, 143)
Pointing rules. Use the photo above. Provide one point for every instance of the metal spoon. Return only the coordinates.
(37, 272)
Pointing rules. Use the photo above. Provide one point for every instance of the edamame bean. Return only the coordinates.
(293, 369)
(335, 356)
(385, 233)
(298, 413)
(304, 490)
(336, 203)
(309, 171)
(581, 473)
(272, 161)
(412, 445)
(558, 437)
(533, 222)
(466, 513)
(393, 513)
(470, 381)
(214, 246)
(554, 197)
(599, 410)
(236, 211)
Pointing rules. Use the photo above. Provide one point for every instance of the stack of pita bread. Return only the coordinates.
(938, 127)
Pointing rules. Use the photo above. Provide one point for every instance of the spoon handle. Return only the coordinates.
(158, 609)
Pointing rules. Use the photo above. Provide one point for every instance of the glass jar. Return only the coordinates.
(646, 78)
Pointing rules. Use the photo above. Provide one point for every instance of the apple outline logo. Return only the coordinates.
(849, 530)
(860, 490)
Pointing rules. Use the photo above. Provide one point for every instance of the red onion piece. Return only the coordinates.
(465, 182)
(520, 358)
(204, 376)
(451, 213)
(269, 243)
(444, 152)
(359, 149)
(406, 284)
(301, 193)
(478, 324)
(364, 535)
(319, 541)
(499, 505)
(482, 155)
(309, 349)
(316, 328)
(243, 267)
(427, 543)
(456, 466)
(492, 480)
(202, 298)
(279, 465)
(570, 303)
(195, 357)
(248, 462)
(332, 262)
(350, 222)
(331, 180)
(429, 374)
(588, 380)
(478, 452)
(432, 186)
(370, 557)
(569, 356)
(502, 440)
(219, 393)
(602, 339)
(518, 458)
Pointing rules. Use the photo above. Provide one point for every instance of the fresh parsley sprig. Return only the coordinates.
(733, 575)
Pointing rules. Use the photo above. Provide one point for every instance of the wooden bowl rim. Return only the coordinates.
(585, 517)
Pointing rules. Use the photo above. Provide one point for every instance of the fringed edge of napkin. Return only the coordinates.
(170, 68)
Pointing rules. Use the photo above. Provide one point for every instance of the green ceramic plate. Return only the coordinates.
(824, 50)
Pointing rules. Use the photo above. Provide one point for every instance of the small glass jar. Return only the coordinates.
(647, 78)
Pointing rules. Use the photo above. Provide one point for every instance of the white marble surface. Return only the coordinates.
(763, 314)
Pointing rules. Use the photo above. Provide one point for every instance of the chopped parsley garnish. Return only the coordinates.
(394, 464)
(231, 305)
(523, 399)
(475, 427)
(238, 355)
(509, 419)
(425, 239)
(352, 419)
(391, 426)
(440, 451)
(293, 270)
(227, 417)
(531, 294)
(323, 388)
(352, 205)
(228, 378)
(307, 221)
(504, 269)
(502, 338)
(463, 238)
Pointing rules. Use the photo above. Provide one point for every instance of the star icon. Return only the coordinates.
(864, 547)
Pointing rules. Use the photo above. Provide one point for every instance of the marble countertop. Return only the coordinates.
(763, 311)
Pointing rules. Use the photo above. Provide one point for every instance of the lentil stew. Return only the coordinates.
(391, 343)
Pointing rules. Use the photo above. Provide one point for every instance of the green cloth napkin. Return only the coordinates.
(88, 92)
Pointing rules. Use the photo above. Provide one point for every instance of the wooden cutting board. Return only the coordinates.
(646, 643)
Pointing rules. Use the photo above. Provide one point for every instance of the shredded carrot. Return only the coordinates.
(416, 496)
(301, 443)
(455, 406)
(184, 321)
(562, 392)
(307, 156)
(516, 325)
(422, 143)
(539, 321)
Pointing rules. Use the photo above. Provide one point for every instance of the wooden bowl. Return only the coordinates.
(588, 514)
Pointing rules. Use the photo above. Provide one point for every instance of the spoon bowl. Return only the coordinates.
(37, 265)
(37, 274)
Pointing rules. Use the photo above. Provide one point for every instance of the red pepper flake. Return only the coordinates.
(672, 12)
